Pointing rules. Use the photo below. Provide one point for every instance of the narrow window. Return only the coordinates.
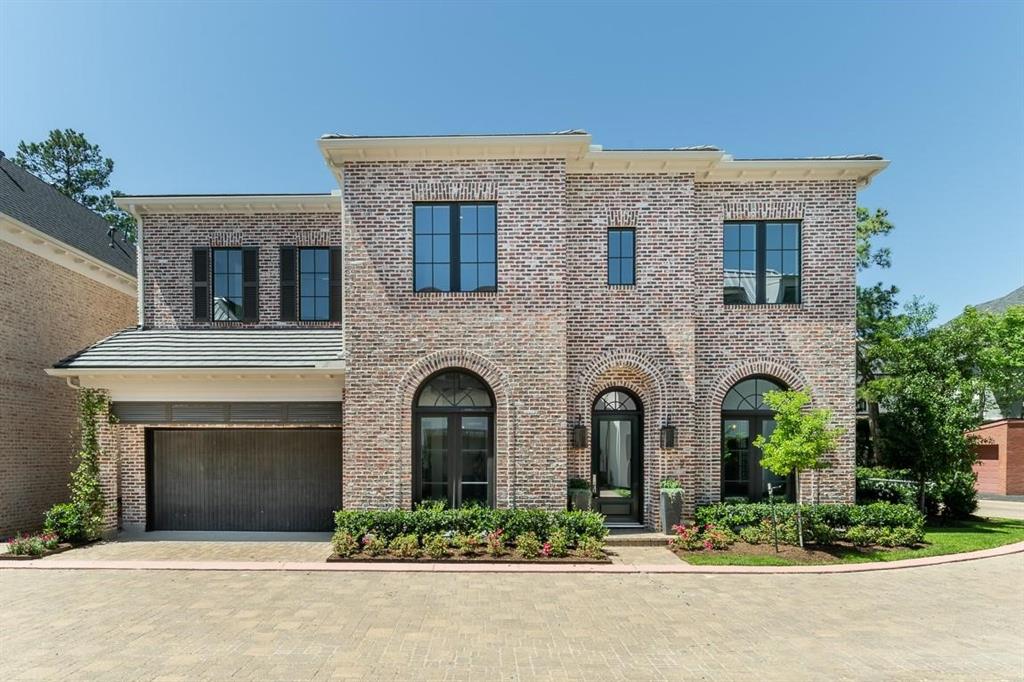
(227, 285)
(761, 262)
(314, 284)
(455, 247)
(621, 256)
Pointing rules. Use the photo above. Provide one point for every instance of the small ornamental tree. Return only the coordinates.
(800, 440)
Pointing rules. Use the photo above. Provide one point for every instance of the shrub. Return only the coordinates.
(671, 484)
(717, 538)
(496, 543)
(65, 521)
(887, 485)
(344, 543)
(32, 545)
(578, 525)
(591, 548)
(528, 545)
(862, 536)
(558, 544)
(756, 535)
(436, 546)
(836, 516)
(579, 484)
(405, 546)
(958, 495)
(687, 538)
(865, 536)
(374, 545)
(468, 544)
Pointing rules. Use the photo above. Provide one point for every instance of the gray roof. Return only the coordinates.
(212, 349)
(29, 200)
(999, 305)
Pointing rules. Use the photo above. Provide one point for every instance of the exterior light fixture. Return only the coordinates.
(579, 433)
(668, 435)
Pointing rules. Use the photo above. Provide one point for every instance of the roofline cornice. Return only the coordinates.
(26, 237)
(338, 150)
(333, 370)
(231, 203)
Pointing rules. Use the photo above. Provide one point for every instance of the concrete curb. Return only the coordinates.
(441, 567)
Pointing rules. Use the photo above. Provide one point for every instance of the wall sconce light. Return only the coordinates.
(668, 435)
(579, 433)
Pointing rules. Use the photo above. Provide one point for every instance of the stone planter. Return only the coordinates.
(671, 509)
(580, 499)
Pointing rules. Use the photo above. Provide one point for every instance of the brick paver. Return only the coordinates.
(954, 621)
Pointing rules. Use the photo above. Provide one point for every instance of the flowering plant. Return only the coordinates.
(496, 542)
(32, 545)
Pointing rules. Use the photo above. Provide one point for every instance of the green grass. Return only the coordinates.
(964, 536)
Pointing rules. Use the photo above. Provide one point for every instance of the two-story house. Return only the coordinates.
(479, 319)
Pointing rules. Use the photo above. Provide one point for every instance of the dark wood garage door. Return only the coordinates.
(244, 479)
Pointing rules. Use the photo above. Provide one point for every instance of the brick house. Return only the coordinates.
(64, 285)
(480, 319)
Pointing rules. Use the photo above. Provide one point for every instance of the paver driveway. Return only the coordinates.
(954, 621)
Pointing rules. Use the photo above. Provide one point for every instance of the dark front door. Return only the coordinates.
(243, 479)
(616, 466)
(742, 473)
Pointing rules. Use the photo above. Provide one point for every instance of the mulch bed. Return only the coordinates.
(505, 559)
(810, 554)
(62, 547)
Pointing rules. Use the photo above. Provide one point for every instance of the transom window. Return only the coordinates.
(314, 284)
(615, 401)
(749, 395)
(761, 262)
(454, 389)
(227, 285)
(621, 256)
(455, 247)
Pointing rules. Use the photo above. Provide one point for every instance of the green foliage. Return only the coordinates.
(958, 495)
(579, 484)
(869, 226)
(468, 545)
(436, 546)
(495, 543)
(374, 545)
(800, 439)
(32, 545)
(77, 169)
(405, 546)
(671, 484)
(528, 545)
(866, 536)
(65, 521)
(344, 544)
(698, 537)
(887, 485)
(591, 548)
(557, 544)
(836, 516)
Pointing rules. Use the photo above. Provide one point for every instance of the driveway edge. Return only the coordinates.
(442, 567)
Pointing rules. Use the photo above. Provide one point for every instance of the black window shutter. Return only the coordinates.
(250, 284)
(335, 284)
(201, 284)
(288, 288)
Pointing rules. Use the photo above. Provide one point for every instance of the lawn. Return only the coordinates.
(965, 536)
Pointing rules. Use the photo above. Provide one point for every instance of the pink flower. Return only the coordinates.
(708, 545)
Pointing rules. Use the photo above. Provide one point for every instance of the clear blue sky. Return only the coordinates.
(230, 97)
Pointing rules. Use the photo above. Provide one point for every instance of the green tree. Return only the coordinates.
(1001, 361)
(77, 169)
(800, 441)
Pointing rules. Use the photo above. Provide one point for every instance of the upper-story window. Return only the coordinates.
(761, 262)
(314, 284)
(621, 255)
(455, 247)
(225, 284)
(310, 283)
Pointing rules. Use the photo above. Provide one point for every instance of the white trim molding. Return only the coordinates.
(230, 203)
(28, 238)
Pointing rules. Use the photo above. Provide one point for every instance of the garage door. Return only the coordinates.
(244, 479)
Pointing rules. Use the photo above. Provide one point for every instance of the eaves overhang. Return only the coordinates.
(141, 205)
(338, 149)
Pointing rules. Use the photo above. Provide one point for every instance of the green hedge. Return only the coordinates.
(735, 516)
(437, 519)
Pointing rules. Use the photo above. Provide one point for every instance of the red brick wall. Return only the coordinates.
(167, 259)
(47, 312)
(1000, 466)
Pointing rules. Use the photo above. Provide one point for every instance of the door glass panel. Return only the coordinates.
(615, 445)
(474, 450)
(779, 483)
(735, 451)
(434, 458)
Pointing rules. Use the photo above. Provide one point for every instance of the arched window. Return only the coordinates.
(745, 415)
(453, 440)
(617, 456)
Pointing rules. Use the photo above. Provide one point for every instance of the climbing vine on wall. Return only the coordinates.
(85, 479)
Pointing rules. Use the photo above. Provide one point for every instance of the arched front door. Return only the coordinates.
(617, 456)
(453, 440)
(745, 416)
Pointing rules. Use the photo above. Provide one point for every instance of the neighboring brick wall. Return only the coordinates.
(514, 338)
(168, 240)
(47, 312)
(1000, 466)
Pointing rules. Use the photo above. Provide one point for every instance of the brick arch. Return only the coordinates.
(789, 376)
(592, 384)
(504, 419)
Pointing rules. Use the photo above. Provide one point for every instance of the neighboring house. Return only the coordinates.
(479, 319)
(64, 286)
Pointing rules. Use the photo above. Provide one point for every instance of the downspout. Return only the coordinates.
(140, 284)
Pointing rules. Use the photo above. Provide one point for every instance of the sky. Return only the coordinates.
(191, 97)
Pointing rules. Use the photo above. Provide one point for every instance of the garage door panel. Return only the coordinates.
(245, 479)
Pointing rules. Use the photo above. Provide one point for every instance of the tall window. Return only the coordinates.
(227, 285)
(745, 416)
(621, 255)
(314, 284)
(761, 262)
(455, 247)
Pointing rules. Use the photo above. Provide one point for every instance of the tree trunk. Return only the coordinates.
(875, 432)
(799, 516)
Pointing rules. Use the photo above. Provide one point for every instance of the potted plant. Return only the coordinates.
(579, 494)
(671, 504)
